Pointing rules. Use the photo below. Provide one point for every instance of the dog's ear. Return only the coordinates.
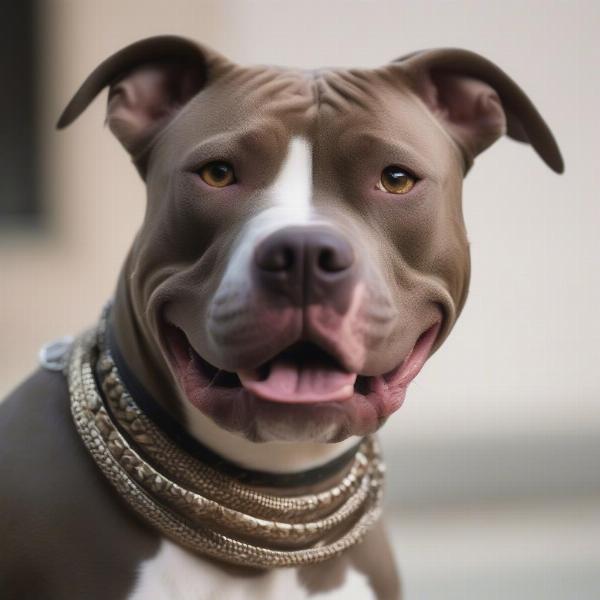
(477, 102)
(149, 81)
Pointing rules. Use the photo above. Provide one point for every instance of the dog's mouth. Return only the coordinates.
(303, 373)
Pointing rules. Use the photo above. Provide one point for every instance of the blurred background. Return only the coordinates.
(494, 460)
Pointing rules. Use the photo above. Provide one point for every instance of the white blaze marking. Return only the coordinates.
(289, 203)
(293, 187)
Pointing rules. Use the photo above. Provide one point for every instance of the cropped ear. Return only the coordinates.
(149, 82)
(477, 102)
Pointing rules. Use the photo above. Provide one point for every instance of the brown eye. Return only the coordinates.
(217, 173)
(396, 180)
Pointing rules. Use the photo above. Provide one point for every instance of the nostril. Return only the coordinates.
(328, 260)
(301, 252)
(333, 259)
(281, 258)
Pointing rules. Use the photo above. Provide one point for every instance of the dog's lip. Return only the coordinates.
(188, 364)
(409, 368)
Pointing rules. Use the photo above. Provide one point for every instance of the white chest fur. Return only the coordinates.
(175, 574)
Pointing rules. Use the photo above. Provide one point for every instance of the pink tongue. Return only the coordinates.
(289, 381)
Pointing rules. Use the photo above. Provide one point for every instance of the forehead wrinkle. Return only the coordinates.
(251, 93)
(278, 91)
(345, 90)
(249, 139)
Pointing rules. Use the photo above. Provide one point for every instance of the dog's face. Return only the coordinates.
(303, 250)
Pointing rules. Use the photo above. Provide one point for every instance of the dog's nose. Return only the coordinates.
(307, 264)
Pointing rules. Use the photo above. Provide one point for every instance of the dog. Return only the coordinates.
(302, 254)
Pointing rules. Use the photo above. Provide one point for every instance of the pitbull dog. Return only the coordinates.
(302, 254)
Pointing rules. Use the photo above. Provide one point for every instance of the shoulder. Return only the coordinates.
(33, 424)
(37, 440)
(60, 519)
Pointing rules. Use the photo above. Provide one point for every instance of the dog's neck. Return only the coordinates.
(146, 364)
(273, 457)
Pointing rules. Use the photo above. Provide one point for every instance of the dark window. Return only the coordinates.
(19, 198)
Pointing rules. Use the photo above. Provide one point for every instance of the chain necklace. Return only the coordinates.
(194, 504)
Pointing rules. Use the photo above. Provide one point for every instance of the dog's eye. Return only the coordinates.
(217, 173)
(396, 180)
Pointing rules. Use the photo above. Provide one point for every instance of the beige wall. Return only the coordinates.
(522, 359)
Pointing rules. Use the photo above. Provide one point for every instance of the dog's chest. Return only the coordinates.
(175, 574)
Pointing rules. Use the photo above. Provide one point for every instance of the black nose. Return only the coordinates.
(307, 264)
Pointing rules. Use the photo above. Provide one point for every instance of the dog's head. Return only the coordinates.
(303, 250)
